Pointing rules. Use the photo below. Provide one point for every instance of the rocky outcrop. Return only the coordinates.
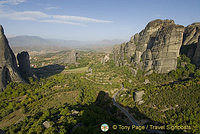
(105, 59)
(47, 124)
(190, 40)
(137, 96)
(73, 56)
(24, 65)
(196, 57)
(8, 65)
(155, 48)
(191, 34)
(165, 49)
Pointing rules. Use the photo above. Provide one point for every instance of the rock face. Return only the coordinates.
(196, 57)
(157, 47)
(190, 42)
(24, 64)
(191, 34)
(8, 65)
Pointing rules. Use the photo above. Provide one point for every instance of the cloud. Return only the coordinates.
(26, 15)
(78, 18)
(47, 18)
(51, 8)
(11, 2)
(43, 17)
(62, 22)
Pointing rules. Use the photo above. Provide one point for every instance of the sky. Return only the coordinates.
(90, 20)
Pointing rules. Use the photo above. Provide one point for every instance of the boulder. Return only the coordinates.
(8, 65)
(105, 59)
(47, 124)
(137, 96)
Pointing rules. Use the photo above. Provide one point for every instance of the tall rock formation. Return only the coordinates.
(155, 48)
(196, 57)
(24, 64)
(73, 56)
(8, 65)
(190, 40)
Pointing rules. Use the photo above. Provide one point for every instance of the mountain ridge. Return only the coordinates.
(26, 40)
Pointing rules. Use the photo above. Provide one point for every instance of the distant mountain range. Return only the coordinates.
(37, 43)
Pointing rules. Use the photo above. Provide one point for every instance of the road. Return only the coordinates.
(129, 116)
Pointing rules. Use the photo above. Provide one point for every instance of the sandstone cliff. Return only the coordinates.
(155, 48)
(8, 65)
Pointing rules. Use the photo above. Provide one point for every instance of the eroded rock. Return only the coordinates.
(190, 39)
(8, 65)
(155, 48)
(105, 59)
(196, 58)
(73, 56)
(137, 96)
(47, 124)
(24, 65)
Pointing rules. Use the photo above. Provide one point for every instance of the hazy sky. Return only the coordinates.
(91, 19)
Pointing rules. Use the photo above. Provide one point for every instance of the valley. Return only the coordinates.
(148, 82)
(81, 95)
